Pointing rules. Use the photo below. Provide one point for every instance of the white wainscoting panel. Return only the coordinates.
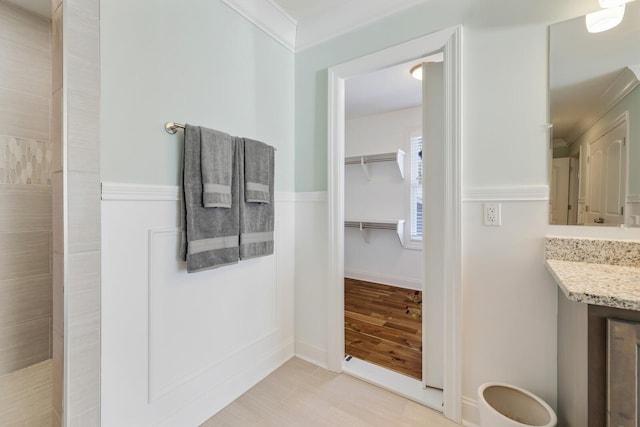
(311, 236)
(178, 347)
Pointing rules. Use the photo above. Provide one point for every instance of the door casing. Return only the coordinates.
(449, 41)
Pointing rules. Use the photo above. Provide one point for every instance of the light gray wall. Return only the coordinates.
(202, 64)
(25, 190)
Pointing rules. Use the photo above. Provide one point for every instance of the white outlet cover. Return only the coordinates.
(492, 214)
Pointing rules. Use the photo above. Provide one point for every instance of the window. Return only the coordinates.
(416, 189)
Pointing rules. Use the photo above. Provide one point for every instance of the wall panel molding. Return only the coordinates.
(510, 193)
(117, 191)
(157, 389)
(113, 191)
(146, 192)
(178, 347)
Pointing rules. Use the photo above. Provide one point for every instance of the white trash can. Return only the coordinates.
(505, 405)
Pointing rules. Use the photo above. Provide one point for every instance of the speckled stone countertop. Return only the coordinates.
(596, 271)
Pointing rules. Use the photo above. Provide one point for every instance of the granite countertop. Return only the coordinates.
(610, 278)
(600, 284)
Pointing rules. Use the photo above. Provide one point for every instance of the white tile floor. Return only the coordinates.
(25, 397)
(303, 395)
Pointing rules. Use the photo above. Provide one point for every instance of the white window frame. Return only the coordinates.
(411, 242)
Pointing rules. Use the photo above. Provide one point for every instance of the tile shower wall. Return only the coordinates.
(76, 212)
(25, 190)
(24, 161)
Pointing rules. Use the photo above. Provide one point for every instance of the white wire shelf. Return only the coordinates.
(363, 161)
(396, 225)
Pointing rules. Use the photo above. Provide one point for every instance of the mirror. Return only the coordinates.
(595, 112)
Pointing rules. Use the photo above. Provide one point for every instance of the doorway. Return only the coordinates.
(446, 216)
(383, 257)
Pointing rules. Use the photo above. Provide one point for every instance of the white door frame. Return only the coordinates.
(450, 42)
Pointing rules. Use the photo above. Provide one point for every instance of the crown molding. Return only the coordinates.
(270, 18)
(621, 86)
(348, 17)
(300, 35)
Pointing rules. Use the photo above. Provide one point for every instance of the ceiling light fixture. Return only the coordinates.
(605, 19)
(416, 71)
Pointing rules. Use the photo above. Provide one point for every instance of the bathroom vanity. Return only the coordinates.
(598, 330)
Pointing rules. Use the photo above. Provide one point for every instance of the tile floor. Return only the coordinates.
(300, 394)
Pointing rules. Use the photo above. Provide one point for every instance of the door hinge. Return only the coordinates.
(586, 208)
(621, 210)
(569, 207)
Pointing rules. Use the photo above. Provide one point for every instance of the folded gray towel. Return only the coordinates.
(212, 234)
(217, 163)
(256, 219)
(258, 168)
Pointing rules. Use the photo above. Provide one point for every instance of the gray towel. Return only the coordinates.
(212, 234)
(256, 219)
(216, 162)
(258, 170)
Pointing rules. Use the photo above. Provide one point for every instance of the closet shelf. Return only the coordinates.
(379, 224)
(397, 157)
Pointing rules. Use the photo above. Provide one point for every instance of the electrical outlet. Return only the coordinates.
(492, 214)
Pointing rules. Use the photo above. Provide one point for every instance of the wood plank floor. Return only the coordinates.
(301, 394)
(26, 396)
(378, 330)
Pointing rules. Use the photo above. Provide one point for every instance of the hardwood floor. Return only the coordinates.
(378, 330)
(301, 394)
(25, 396)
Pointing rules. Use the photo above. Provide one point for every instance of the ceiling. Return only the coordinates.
(386, 90)
(584, 65)
(307, 10)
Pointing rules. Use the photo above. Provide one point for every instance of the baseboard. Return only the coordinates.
(225, 393)
(470, 413)
(385, 279)
(311, 354)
